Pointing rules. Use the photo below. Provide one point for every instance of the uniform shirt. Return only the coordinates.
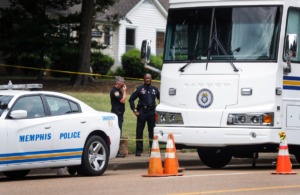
(146, 95)
(116, 106)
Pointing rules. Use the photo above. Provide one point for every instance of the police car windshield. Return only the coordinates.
(246, 33)
(4, 100)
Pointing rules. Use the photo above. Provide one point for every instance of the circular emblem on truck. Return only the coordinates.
(205, 98)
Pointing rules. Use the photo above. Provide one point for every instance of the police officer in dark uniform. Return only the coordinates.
(145, 111)
(117, 100)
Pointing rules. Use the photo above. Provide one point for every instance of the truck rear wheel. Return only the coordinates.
(215, 157)
(297, 156)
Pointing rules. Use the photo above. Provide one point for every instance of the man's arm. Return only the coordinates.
(158, 94)
(132, 98)
(123, 100)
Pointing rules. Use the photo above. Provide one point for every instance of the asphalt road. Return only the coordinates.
(239, 177)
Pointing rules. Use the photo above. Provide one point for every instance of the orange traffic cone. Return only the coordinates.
(155, 164)
(284, 165)
(171, 163)
(180, 169)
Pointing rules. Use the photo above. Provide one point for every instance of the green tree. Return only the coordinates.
(88, 10)
(42, 27)
(29, 27)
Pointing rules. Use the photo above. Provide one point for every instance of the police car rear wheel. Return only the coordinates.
(16, 174)
(95, 157)
(215, 157)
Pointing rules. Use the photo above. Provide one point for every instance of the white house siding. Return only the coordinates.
(109, 50)
(146, 20)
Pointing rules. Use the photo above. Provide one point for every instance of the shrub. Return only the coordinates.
(118, 72)
(157, 63)
(101, 63)
(133, 67)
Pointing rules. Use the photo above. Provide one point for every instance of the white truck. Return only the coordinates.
(230, 81)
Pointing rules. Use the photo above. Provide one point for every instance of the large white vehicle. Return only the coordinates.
(230, 81)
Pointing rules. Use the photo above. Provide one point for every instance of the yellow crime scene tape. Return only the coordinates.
(70, 72)
(80, 73)
(133, 139)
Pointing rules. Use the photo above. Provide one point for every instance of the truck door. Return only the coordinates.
(291, 78)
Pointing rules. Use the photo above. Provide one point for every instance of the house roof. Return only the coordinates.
(123, 7)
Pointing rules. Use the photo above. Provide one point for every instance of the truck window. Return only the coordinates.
(246, 33)
(293, 27)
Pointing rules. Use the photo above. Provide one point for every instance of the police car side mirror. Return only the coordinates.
(18, 114)
(145, 51)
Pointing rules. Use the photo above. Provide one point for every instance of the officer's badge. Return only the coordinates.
(153, 91)
(205, 98)
(110, 123)
(117, 93)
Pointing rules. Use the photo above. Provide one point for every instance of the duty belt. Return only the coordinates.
(148, 108)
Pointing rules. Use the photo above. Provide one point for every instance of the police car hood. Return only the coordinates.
(206, 99)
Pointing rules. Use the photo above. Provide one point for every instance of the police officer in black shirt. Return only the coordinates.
(117, 100)
(145, 111)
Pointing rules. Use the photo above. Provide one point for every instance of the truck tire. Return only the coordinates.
(215, 157)
(297, 156)
(95, 157)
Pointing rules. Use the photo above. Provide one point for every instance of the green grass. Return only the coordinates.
(101, 102)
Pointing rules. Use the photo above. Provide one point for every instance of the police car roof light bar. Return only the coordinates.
(10, 86)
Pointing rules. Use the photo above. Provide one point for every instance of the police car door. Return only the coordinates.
(67, 128)
(29, 136)
(4, 100)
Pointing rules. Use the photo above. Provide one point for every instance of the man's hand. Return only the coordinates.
(124, 87)
(136, 113)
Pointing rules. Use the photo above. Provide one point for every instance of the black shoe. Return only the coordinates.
(119, 155)
(138, 154)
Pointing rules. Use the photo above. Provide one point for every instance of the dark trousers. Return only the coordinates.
(120, 121)
(144, 117)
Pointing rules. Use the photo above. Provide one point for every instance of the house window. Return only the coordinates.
(160, 40)
(130, 39)
(107, 36)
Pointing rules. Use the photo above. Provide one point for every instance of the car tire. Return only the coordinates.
(95, 157)
(16, 174)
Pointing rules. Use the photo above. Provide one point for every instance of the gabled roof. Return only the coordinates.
(123, 7)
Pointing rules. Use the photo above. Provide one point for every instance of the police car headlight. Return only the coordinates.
(254, 119)
(168, 118)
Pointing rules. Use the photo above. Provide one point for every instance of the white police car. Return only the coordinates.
(40, 129)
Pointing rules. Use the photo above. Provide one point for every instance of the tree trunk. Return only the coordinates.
(85, 36)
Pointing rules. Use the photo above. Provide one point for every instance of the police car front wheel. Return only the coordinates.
(95, 156)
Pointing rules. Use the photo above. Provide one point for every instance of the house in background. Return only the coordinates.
(138, 20)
